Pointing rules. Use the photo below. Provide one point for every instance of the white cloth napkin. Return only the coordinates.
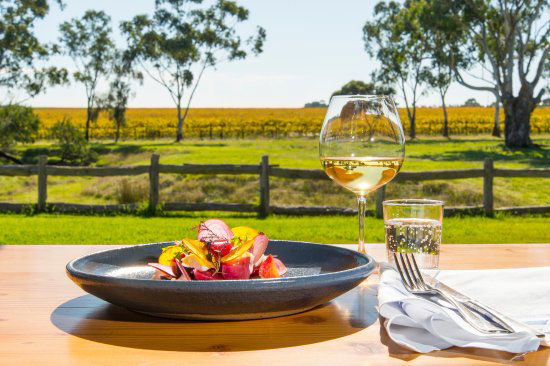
(420, 325)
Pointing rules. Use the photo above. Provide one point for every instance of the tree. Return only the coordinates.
(120, 90)
(355, 87)
(397, 42)
(439, 75)
(316, 104)
(182, 39)
(88, 42)
(510, 40)
(471, 102)
(73, 147)
(21, 51)
(17, 124)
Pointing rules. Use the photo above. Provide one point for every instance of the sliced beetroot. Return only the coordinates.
(220, 248)
(212, 230)
(237, 270)
(206, 275)
(165, 270)
(259, 247)
(281, 268)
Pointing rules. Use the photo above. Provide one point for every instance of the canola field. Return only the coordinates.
(219, 123)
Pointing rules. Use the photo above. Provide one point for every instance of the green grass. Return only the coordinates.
(68, 229)
(423, 154)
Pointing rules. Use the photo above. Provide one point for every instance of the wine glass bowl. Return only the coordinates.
(362, 145)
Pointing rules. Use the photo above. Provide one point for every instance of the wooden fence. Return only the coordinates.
(265, 171)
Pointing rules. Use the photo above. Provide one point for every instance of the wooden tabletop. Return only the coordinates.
(46, 319)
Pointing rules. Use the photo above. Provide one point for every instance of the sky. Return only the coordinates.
(313, 47)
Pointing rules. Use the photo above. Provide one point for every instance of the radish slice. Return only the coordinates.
(281, 268)
(259, 247)
(184, 275)
(211, 230)
(166, 270)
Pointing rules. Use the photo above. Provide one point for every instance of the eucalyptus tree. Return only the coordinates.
(510, 40)
(23, 71)
(361, 87)
(88, 42)
(182, 39)
(120, 89)
(401, 49)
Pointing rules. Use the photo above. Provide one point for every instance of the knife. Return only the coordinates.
(484, 310)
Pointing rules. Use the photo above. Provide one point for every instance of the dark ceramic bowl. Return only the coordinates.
(316, 274)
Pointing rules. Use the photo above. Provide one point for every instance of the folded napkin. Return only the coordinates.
(420, 325)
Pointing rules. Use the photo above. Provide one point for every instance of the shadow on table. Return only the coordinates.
(479, 354)
(93, 319)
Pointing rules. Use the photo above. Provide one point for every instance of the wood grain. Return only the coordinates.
(46, 319)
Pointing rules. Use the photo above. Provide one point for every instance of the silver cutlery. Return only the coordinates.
(415, 284)
(486, 311)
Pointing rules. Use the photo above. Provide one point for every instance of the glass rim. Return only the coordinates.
(413, 202)
(362, 96)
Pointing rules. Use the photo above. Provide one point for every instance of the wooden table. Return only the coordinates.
(46, 319)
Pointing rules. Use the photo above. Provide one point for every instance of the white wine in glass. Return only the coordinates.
(362, 146)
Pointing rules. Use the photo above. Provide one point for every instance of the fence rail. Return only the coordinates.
(264, 171)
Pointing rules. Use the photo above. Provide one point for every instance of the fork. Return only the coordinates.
(414, 283)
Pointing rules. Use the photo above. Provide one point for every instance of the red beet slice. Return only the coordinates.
(220, 248)
(166, 270)
(259, 246)
(237, 270)
(206, 276)
(211, 230)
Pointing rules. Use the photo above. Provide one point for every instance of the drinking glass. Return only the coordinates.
(362, 146)
(414, 226)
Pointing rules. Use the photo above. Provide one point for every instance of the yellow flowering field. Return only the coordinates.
(150, 123)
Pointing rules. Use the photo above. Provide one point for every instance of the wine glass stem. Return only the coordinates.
(362, 207)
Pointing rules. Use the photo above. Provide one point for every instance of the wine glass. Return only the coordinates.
(362, 146)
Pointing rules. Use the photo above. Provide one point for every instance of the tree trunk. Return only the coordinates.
(179, 134)
(517, 116)
(88, 119)
(117, 135)
(412, 123)
(8, 157)
(496, 118)
(445, 117)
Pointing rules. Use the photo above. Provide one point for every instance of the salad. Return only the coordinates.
(219, 253)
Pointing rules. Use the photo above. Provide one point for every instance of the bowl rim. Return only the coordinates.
(367, 267)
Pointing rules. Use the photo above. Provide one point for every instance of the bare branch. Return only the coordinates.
(540, 67)
(462, 82)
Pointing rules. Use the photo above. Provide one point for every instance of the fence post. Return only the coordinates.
(488, 186)
(154, 183)
(42, 183)
(263, 209)
(380, 197)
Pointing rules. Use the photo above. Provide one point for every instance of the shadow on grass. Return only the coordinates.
(123, 150)
(536, 156)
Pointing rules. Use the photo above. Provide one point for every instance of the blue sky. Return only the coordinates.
(312, 48)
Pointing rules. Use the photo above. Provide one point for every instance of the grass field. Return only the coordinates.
(422, 154)
(67, 229)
